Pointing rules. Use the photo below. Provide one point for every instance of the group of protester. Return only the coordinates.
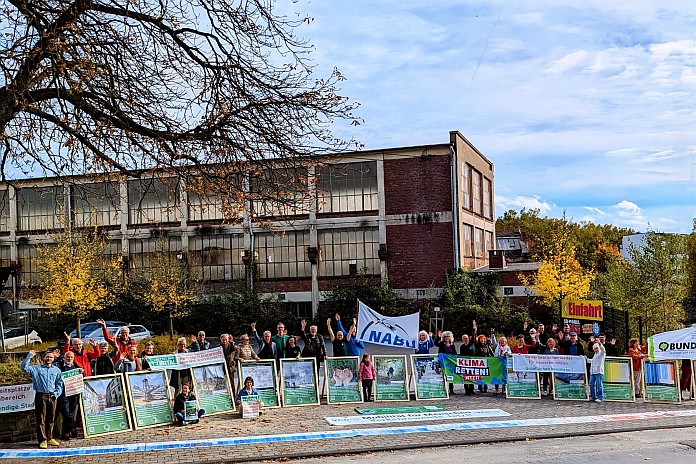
(51, 399)
(536, 340)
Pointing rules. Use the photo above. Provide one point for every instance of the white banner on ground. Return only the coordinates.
(549, 363)
(415, 416)
(186, 360)
(677, 344)
(15, 398)
(397, 331)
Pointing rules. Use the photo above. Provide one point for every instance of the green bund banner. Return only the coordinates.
(469, 370)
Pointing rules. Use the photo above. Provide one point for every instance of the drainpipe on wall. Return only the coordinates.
(455, 206)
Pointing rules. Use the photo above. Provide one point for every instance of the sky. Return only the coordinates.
(587, 108)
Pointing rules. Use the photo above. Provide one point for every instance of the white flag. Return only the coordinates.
(677, 344)
(398, 331)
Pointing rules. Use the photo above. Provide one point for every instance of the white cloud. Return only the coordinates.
(504, 203)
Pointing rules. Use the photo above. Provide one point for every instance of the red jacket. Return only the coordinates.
(83, 360)
(120, 345)
(366, 371)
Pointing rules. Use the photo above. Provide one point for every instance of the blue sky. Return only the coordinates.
(585, 107)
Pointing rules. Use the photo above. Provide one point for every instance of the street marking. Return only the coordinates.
(382, 431)
(415, 416)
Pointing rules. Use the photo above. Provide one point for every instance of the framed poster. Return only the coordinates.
(105, 405)
(212, 388)
(660, 382)
(191, 410)
(391, 382)
(251, 406)
(265, 380)
(569, 386)
(428, 377)
(341, 374)
(149, 396)
(618, 379)
(299, 382)
(524, 385)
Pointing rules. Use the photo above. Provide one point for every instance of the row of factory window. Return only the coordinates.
(344, 187)
(220, 257)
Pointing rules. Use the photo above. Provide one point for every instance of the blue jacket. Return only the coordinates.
(353, 346)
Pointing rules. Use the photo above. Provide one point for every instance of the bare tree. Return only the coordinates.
(213, 88)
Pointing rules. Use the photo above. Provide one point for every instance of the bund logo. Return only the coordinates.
(663, 346)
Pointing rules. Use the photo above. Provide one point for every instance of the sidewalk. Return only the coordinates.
(302, 431)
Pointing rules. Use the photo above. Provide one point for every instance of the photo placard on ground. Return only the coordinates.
(299, 382)
(428, 377)
(265, 380)
(391, 384)
(660, 382)
(104, 405)
(212, 388)
(618, 379)
(524, 385)
(149, 396)
(341, 374)
(569, 386)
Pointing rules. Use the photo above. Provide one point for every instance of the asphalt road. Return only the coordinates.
(673, 446)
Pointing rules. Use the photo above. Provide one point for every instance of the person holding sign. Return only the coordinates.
(67, 405)
(186, 408)
(248, 390)
(48, 385)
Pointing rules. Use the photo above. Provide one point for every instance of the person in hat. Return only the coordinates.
(573, 347)
(104, 365)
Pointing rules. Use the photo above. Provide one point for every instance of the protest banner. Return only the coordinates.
(428, 377)
(523, 385)
(265, 380)
(212, 388)
(341, 374)
(251, 406)
(191, 410)
(299, 384)
(396, 332)
(72, 382)
(180, 361)
(16, 398)
(661, 382)
(548, 363)
(472, 370)
(104, 405)
(416, 417)
(618, 379)
(569, 386)
(150, 398)
(676, 344)
(391, 384)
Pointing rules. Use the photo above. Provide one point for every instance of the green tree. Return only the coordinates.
(651, 284)
(469, 296)
(690, 299)
(343, 298)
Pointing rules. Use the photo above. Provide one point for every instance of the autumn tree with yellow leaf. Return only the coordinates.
(76, 277)
(560, 275)
(168, 285)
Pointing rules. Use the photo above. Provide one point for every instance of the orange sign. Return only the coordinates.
(592, 310)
